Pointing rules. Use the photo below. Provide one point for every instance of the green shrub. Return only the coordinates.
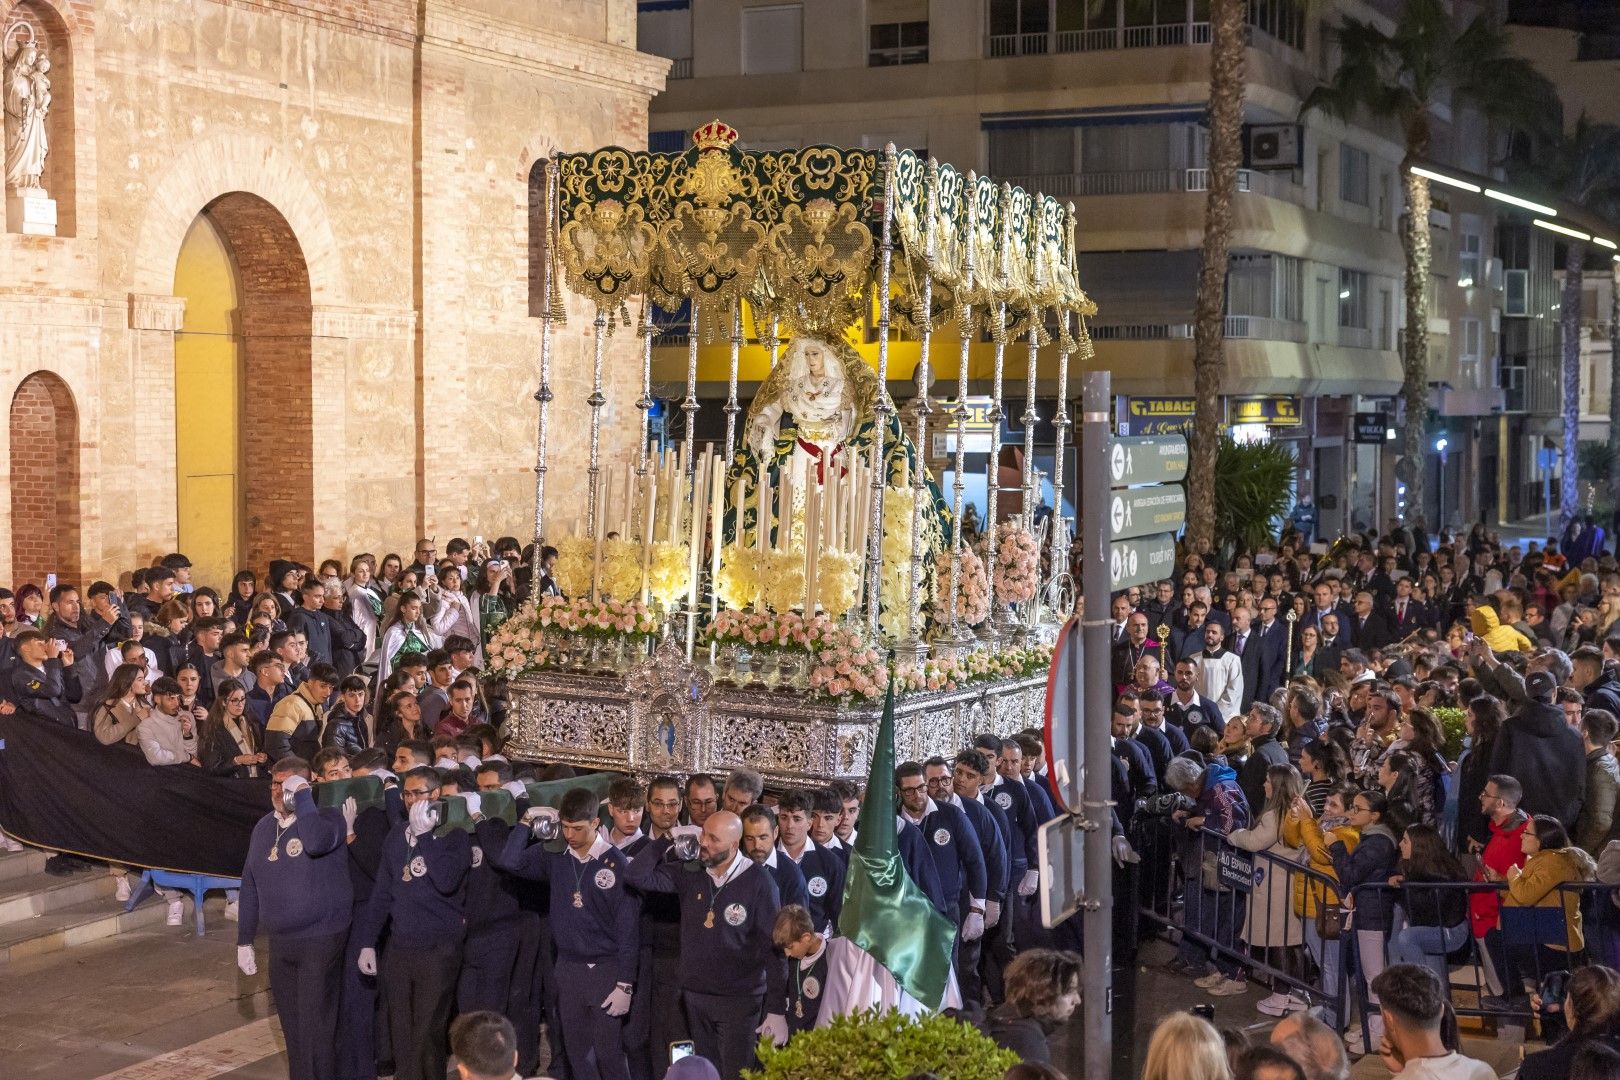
(887, 1046)
(1253, 491)
(1452, 722)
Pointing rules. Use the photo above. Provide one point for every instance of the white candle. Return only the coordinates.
(784, 510)
(596, 560)
(762, 520)
(717, 513)
(651, 502)
(812, 529)
(695, 535)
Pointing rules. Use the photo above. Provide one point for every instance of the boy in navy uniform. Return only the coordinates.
(594, 921)
(759, 843)
(826, 811)
(296, 881)
(822, 869)
(730, 967)
(658, 1006)
(795, 934)
(421, 899)
(997, 952)
(357, 1002)
(953, 847)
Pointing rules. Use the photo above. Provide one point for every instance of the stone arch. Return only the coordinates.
(275, 417)
(44, 477)
(220, 165)
(55, 29)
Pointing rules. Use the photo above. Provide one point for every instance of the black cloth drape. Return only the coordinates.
(61, 789)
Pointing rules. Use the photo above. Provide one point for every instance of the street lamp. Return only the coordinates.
(1440, 445)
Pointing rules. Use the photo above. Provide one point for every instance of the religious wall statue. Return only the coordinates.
(27, 103)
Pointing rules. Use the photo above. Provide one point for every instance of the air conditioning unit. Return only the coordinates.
(1274, 146)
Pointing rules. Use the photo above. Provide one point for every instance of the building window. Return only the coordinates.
(773, 39)
(1469, 340)
(1353, 299)
(897, 43)
(1468, 260)
(1353, 168)
(667, 142)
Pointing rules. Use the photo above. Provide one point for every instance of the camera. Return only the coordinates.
(1166, 804)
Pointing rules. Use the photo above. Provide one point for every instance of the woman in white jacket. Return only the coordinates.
(408, 631)
(365, 599)
(454, 614)
(1270, 922)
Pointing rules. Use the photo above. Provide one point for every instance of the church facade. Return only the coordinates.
(289, 302)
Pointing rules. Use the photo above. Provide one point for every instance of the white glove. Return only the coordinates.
(385, 775)
(446, 763)
(422, 818)
(1031, 882)
(774, 1028)
(245, 961)
(618, 1002)
(475, 805)
(368, 961)
(1123, 852)
(992, 914)
(290, 787)
(516, 788)
(973, 927)
(351, 810)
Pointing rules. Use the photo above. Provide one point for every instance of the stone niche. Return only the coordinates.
(39, 78)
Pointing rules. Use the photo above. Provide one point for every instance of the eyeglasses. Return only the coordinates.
(419, 793)
(909, 788)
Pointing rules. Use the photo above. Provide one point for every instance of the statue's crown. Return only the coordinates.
(714, 136)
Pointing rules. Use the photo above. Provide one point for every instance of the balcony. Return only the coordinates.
(1245, 327)
(680, 68)
(1355, 337)
(1156, 182)
(1107, 38)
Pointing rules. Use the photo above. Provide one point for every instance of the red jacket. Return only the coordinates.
(1501, 853)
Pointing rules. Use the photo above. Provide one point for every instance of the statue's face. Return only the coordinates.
(817, 392)
(815, 358)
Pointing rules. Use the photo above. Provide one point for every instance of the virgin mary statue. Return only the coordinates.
(27, 99)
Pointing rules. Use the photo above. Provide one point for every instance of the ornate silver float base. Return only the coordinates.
(666, 716)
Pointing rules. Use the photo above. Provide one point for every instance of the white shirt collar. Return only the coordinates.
(810, 961)
(599, 847)
(606, 833)
(809, 846)
(1188, 704)
(730, 870)
(929, 809)
(955, 800)
(770, 859)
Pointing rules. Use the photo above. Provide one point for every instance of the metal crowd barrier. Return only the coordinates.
(1238, 909)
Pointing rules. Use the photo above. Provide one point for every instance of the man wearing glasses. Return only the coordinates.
(420, 897)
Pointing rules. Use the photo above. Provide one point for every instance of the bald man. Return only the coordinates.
(731, 976)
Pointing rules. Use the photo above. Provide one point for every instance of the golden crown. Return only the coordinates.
(714, 136)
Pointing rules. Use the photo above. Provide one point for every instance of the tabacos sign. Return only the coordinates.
(1155, 415)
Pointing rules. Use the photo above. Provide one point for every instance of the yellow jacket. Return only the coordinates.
(1536, 885)
(1308, 833)
(1499, 637)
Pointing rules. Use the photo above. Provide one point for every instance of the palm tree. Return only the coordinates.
(1399, 77)
(1226, 82)
(1582, 167)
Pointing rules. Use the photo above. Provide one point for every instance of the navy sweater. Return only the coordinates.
(421, 892)
(919, 862)
(493, 899)
(992, 849)
(736, 957)
(1013, 800)
(824, 874)
(958, 852)
(305, 893)
(606, 930)
(789, 882)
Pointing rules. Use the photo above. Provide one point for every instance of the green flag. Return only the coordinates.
(885, 912)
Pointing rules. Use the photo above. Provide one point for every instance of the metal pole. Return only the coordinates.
(690, 408)
(883, 408)
(543, 395)
(1097, 973)
(960, 634)
(919, 485)
(998, 611)
(1060, 425)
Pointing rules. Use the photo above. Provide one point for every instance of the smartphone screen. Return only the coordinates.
(678, 1050)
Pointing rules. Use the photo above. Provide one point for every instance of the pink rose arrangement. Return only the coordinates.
(1016, 572)
(972, 590)
(842, 663)
(520, 643)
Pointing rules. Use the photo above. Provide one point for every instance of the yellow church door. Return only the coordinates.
(207, 405)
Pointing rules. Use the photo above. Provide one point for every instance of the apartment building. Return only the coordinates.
(1102, 102)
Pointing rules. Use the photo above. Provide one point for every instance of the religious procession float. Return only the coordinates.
(748, 601)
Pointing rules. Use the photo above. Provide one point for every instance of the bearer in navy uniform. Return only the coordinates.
(494, 919)
(730, 967)
(953, 847)
(296, 881)
(795, 934)
(368, 830)
(658, 1006)
(759, 843)
(826, 811)
(823, 870)
(594, 921)
(421, 898)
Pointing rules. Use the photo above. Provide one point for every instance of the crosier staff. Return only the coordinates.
(1288, 652)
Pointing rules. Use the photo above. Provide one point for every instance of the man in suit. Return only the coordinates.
(1368, 625)
(1334, 642)
(1244, 645)
(1405, 613)
(1120, 609)
(1272, 633)
(1187, 639)
(1327, 603)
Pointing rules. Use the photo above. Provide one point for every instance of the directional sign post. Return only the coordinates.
(1136, 562)
(1144, 511)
